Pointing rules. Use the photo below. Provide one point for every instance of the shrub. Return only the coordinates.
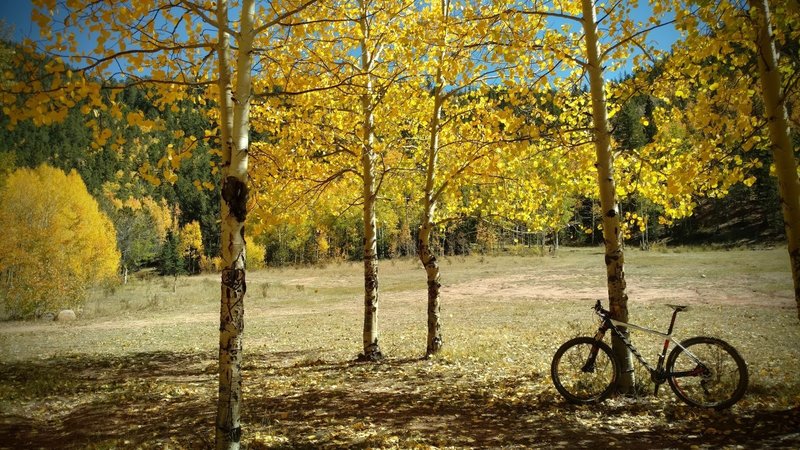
(210, 264)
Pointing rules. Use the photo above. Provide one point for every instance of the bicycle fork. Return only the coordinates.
(598, 337)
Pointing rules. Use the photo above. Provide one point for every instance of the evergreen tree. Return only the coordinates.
(171, 260)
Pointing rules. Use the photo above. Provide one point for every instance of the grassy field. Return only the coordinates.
(137, 370)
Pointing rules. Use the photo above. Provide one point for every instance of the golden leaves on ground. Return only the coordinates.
(298, 402)
(144, 375)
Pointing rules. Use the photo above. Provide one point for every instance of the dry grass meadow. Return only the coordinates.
(137, 370)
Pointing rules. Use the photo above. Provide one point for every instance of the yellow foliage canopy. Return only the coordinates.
(255, 254)
(191, 240)
(190, 245)
(57, 241)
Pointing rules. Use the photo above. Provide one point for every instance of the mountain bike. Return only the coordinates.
(702, 371)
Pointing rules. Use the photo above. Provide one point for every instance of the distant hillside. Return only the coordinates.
(746, 216)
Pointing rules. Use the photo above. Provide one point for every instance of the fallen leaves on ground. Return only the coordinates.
(166, 400)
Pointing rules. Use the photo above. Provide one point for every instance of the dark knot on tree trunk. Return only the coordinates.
(235, 194)
(234, 279)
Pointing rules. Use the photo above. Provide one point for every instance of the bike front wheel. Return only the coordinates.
(707, 372)
(584, 370)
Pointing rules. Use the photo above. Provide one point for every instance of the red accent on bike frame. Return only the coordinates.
(698, 370)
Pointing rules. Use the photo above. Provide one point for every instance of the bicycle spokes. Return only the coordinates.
(707, 372)
(583, 370)
(589, 366)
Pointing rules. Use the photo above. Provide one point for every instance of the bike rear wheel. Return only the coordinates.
(707, 372)
(578, 377)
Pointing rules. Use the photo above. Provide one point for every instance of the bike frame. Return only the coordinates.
(657, 373)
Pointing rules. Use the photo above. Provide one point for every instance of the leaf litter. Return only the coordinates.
(489, 388)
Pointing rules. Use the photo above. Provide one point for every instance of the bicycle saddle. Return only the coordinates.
(679, 308)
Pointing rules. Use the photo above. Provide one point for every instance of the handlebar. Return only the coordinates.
(598, 308)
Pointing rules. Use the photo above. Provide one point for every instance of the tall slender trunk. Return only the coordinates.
(234, 125)
(426, 255)
(428, 259)
(430, 199)
(372, 351)
(617, 297)
(555, 242)
(782, 150)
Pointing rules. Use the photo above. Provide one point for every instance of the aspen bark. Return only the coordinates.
(614, 258)
(782, 149)
(426, 255)
(434, 341)
(234, 121)
(372, 351)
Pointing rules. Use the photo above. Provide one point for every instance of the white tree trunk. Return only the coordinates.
(233, 210)
(430, 199)
(617, 297)
(426, 255)
(372, 351)
(782, 149)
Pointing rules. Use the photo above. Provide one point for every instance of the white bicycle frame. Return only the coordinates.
(623, 335)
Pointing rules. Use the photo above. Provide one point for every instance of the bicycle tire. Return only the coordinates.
(584, 386)
(719, 387)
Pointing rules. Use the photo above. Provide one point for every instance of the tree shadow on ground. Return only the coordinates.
(85, 401)
(149, 400)
(456, 412)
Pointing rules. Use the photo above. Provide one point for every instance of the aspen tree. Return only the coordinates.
(234, 133)
(614, 256)
(171, 47)
(467, 52)
(372, 350)
(426, 255)
(586, 53)
(728, 93)
(783, 151)
(343, 138)
(235, 109)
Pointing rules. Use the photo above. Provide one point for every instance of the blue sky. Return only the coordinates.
(17, 14)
